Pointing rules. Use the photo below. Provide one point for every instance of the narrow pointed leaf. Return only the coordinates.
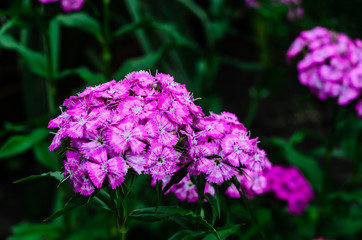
(166, 213)
(20, 143)
(34, 60)
(57, 175)
(84, 73)
(74, 202)
(81, 21)
(215, 206)
(176, 178)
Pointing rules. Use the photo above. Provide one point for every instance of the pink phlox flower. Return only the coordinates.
(209, 189)
(70, 102)
(186, 98)
(210, 127)
(297, 203)
(330, 73)
(315, 33)
(237, 150)
(96, 149)
(347, 93)
(359, 108)
(147, 92)
(177, 112)
(161, 161)
(297, 46)
(144, 78)
(78, 126)
(217, 171)
(232, 191)
(289, 184)
(161, 129)
(168, 84)
(229, 118)
(141, 78)
(257, 183)
(126, 136)
(185, 190)
(82, 183)
(256, 162)
(355, 77)
(59, 121)
(198, 154)
(71, 5)
(191, 136)
(115, 91)
(137, 108)
(71, 165)
(115, 169)
(57, 139)
(97, 90)
(136, 161)
(323, 53)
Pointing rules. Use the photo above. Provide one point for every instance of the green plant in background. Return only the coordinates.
(201, 44)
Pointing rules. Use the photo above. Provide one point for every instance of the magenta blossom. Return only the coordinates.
(331, 65)
(148, 124)
(67, 5)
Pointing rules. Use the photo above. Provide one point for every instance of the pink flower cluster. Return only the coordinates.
(295, 9)
(286, 183)
(67, 5)
(151, 125)
(331, 66)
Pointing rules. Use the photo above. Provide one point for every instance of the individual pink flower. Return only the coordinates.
(161, 161)
(67, 5)
(115, 169)
(126, 136)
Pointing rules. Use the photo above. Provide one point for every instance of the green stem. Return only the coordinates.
(252, 109)
(327, 181)
(120, 199)
(106, 40)
(51, 90)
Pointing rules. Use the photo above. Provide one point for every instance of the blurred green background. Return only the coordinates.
(228, 54)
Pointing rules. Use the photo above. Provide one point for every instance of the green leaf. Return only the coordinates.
(176, 178)
(20, 143)
(106, 199)
(7, 26)
(187, 235)
(35, 231)
(223, 232)
(142, 63)
(171, 29)
(54, 38)
(348, 196)
(215, 206)
(82, 21)
(167, 212)
(129, 28)
(74, 202)
(35, 61)
(84, 73)
(57, 175)
(44, 156)
(100, 203)
(342, 227)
